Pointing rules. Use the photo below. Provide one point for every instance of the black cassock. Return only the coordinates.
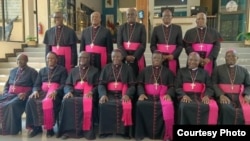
(34, 111)
(111, 111)
(149, 116)
(171, 35)
(11, 107)
(100, 36)
(195, 112)
(203, 36)
(71, 114)
(67, 37)
(136, 34)
(231, 113)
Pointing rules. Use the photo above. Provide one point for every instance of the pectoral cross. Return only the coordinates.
(116, 84)
(201, 46)
(156, 85)
(92, 45)
(167, 46)
(232, 87)
(82, 82)
(192, 86)
(128, 44)
(13, 88)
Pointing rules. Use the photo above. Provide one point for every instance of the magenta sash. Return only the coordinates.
(66, 52)
(194, 87)
(167, 107)
(47, 104)
(126, 106)
(206, 48)
(100, 50)
(134, 46)
(238, 89)
(213, 107)
(18, 89)
(165, 48)
(87, 104)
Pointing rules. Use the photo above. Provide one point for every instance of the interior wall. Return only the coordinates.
(96, 5)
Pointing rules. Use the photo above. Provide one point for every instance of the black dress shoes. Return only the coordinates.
(125, 136)
(50, 133)
(102, 136)
(36, 130)
(64, 137)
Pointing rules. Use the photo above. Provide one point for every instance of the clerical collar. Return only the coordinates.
(117, 65)
(201, 28)
(22, 68)
(84, 67)
(194, 69)
(167, 25)
(52, 68)
(231, 66)
(132, 23)
(156, 67)
(96, 27)
(59, 26)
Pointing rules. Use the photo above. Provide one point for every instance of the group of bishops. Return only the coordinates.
(114, 89)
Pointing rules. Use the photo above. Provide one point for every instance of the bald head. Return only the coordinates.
(84, 53)
(231, 57)
(201, 19)
(167, 16)
(232, 51)
(95, 18)
(131, 14)
(58, 14)
(117, 57)
(131, 10)
(157, 58)
(194, 54)
(22, 60)
(83, 59)
(117, 51)
(193, 60)
(58, 18)
(23, 56)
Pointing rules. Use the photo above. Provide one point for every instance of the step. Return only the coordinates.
(1, 87)
(31, 59)
(33, 54)
(34, 49)
(14, 64)
(4, 78)
(5, 71)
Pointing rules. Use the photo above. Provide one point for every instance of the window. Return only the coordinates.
(11, 20)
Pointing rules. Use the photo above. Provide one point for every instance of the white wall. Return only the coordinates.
(96, 5)
(127, 3)
(191, 3)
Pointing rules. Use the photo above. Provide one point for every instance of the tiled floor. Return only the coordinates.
(42, 137)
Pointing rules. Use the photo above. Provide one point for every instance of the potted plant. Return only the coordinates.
(244, 35)
(31, 41)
